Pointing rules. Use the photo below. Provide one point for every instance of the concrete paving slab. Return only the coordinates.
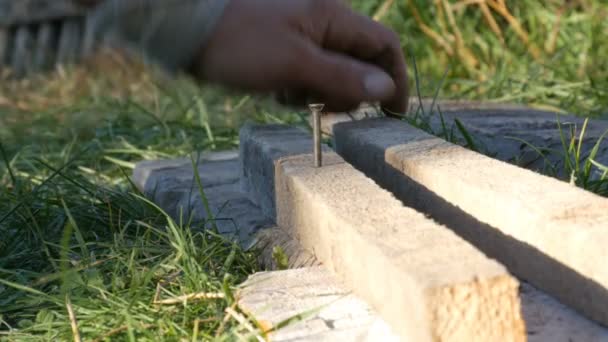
(177, 173)
(257, 160)
(328, 311)
(509, 134)
(547, 320)
(170, 184)
(546, 231)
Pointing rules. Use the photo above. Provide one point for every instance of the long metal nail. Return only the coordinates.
(316, 109)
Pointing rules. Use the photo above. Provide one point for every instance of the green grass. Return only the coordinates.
(578, 168)
(560, 63)
(73, 229)
(74, 233)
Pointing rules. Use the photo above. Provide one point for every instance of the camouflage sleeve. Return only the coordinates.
(166, 32)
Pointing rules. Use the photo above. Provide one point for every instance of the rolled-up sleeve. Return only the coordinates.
(166, 32)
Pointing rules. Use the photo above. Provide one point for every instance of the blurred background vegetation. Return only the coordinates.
(74, 234)
(547, 53)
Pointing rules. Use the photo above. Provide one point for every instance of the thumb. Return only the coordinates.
(343, 82)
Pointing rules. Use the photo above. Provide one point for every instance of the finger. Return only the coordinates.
(342, 82)
(393, 61)
(361, 37)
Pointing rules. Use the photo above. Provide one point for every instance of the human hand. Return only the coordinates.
(304, 50)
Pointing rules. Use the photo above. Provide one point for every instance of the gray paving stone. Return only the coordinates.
(257, 161)
(547, 320)
(171, 174)
(334, 314)
(497, 131)
(170, 184)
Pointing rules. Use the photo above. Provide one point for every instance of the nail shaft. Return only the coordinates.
(316, 126)
(317, 139)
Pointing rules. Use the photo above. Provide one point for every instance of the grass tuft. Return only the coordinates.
(82, 253)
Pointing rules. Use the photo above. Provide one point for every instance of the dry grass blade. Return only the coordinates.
(73, 322)
(193, 296)
(440, 16)
(516, 25)
(222, 326)
(464, 3)
(383, 10)
(552, 40)
(452, 22)
(195, 329)
(487, 14)
(445, 45)
(468, 58)
(243, 321)
(157, 293)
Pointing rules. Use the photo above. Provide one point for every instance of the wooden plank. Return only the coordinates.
(425, 281)
(546, 231)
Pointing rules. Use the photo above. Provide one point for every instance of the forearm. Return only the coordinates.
(169, 32)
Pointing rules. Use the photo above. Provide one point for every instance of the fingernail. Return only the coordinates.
(379, 85)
